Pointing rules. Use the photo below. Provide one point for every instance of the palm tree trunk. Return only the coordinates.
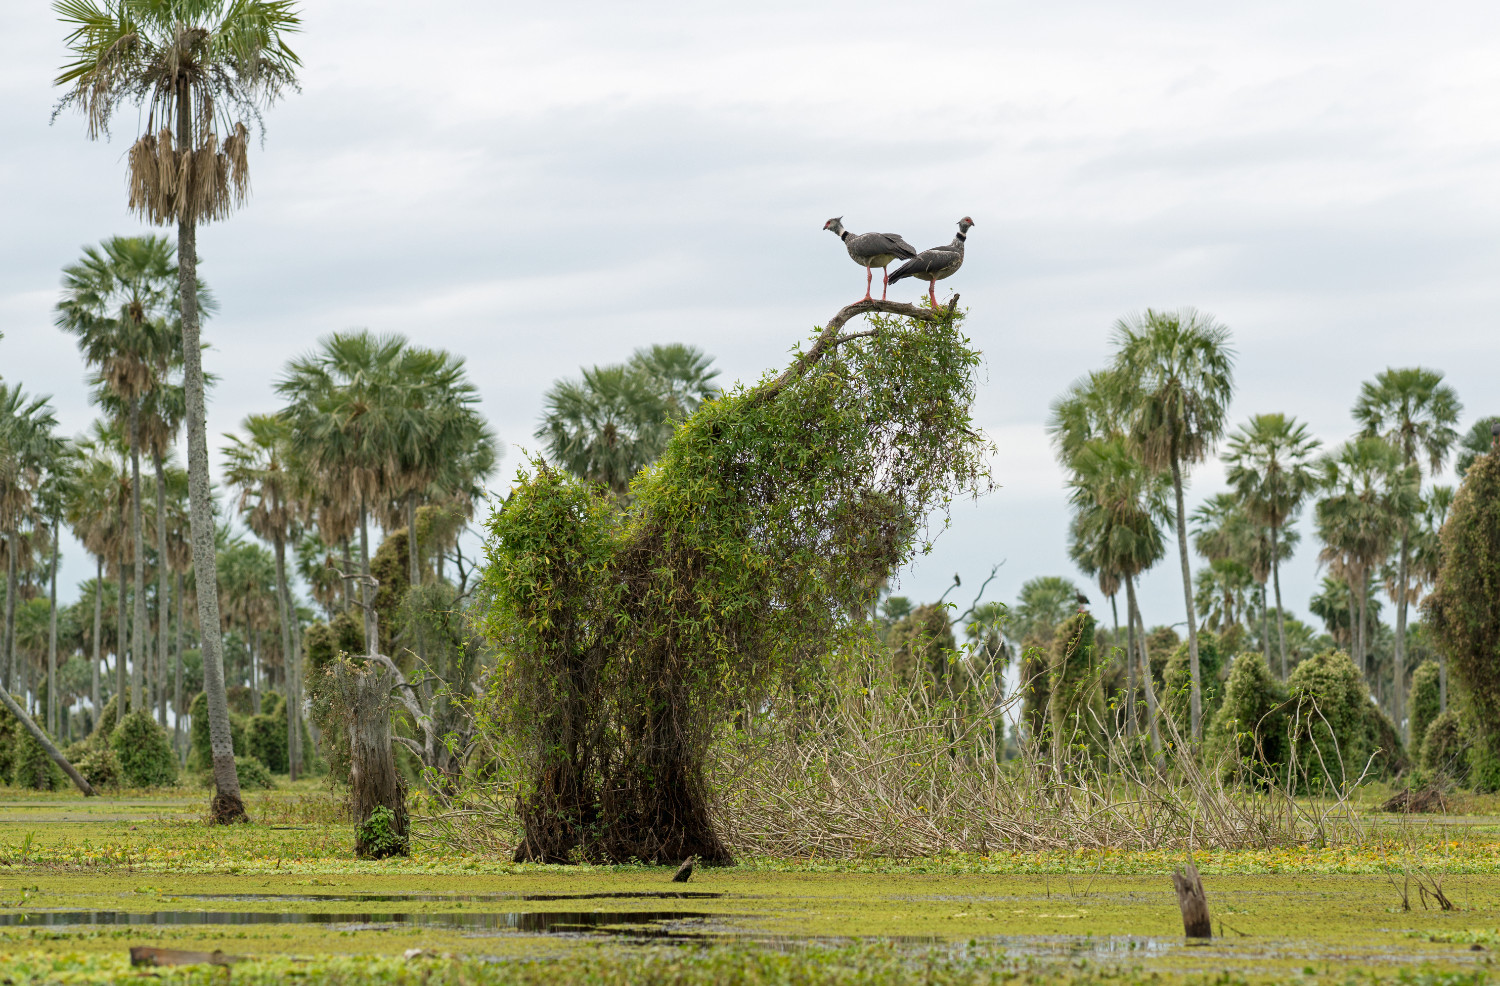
(1130, 727)
(163, 597)
(289, 658)
(372, 645)
(122, 633)
(1265, 624)
(52, 638)
(254, 635)
(1399, 653)
(1280, 614)
(11, 589)
(411, 538)
(98, 627)
(1195, 701)
(139, 625)
(46, 743)
(177, 710)
(228, 805)
(344, 583)
(1138, 625)
(1364, 642)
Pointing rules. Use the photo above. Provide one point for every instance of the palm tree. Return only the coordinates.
(1369, 491)
(616, 420)
(356, 409)
(59, 475)
(1180, 369)
(90, 512)
(1119, 505)
(1416, 412)
(1476, 442)
(258, 466)
(27, 447)
(118, 300)
(193, 64)
(1270, 466)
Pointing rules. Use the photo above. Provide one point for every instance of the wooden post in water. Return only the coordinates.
(1191, 899)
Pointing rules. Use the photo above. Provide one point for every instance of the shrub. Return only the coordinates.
(1426, 700)
(101, 768)
(23, 761)
(1444, 746)
(1176, 693)
(265, 736)
(1463, 609)
(1251, 724)
(1330, 724)
(200, 750)
(252, 773)
(922, 641)
(1077, 710)
(1384, 743)
(104, 726)
(145, 751)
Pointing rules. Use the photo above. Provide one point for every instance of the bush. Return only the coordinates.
(23, 760)
(145, 751)
(1330, 725)
(1426, 700)
(922, 641)
(104, 726)
(1176, 695)
(1384, 744)
(1444, 746)
(200, 751)
(252, 774)
(1251, 724)
(265, 737)
(1077, 702)
(101, 768)
(1463, 610)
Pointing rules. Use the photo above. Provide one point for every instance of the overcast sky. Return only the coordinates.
(540, 186)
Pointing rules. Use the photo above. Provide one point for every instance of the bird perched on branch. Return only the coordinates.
(871, 250)
(1081, 600)
(935, 264)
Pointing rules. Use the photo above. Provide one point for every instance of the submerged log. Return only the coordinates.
(1192, 901)
(146, 955)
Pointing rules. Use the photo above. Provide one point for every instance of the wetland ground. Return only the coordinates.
(82, 881)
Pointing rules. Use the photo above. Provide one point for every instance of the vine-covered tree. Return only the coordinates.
(1464, 607)
(628, 634)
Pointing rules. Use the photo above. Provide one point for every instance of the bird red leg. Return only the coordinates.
(869, 274)
(885, 281)
(932, 292)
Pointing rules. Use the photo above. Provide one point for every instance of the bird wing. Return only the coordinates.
(927, 262)
(899, 246)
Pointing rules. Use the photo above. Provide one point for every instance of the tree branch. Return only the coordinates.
(830, 338)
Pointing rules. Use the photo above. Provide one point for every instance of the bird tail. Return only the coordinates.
(900, 272)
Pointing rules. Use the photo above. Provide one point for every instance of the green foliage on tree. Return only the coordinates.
(1076, 701)
(1176, 696)
(23, 761)
(266, 735)
(1045, 601)
(1251, 724)
(1334, 726)
(144, 750)
(200, 753)
(1426, 699)
(1445, 747)
(921, 643)
(1464, 609)
(744, 558)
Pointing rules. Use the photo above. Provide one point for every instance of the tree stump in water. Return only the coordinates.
(377, 794)
(1193, 902)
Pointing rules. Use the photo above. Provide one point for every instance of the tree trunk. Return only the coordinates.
(52, 638)
(411, 539)
(1195, 702)
(98, 628)
(344, 583)
(177, 710)
(1114, 610)
(1398, 656)
(288, 653)
(1280, 614)
(1364, 640)
(1265, 625)
(372, 643)
(253, 636)
(122, 631)
(163, 597)
(374, 781)
(228, 805)
(46, 743)
(9, 641)
(1134, 615)
(138, 624)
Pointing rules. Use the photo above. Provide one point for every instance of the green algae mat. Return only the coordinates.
(83, 881)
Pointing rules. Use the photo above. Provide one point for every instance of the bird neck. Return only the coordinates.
(844, 234)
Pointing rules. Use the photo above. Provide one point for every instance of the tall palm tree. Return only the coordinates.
(119, 300)
(1119, 505)
(1270, 467)
(27, 445)
(257, 465)
(194, 65)
(1180, 369)
(616, 420)
(1476, 442)
(1369, 489)
(56, 490)
(90, 512)
(356, 408)
(1416, 412)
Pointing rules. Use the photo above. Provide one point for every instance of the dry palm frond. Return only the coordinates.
(169, 184)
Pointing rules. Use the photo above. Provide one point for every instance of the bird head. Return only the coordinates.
(965, 223)
(836, 224)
